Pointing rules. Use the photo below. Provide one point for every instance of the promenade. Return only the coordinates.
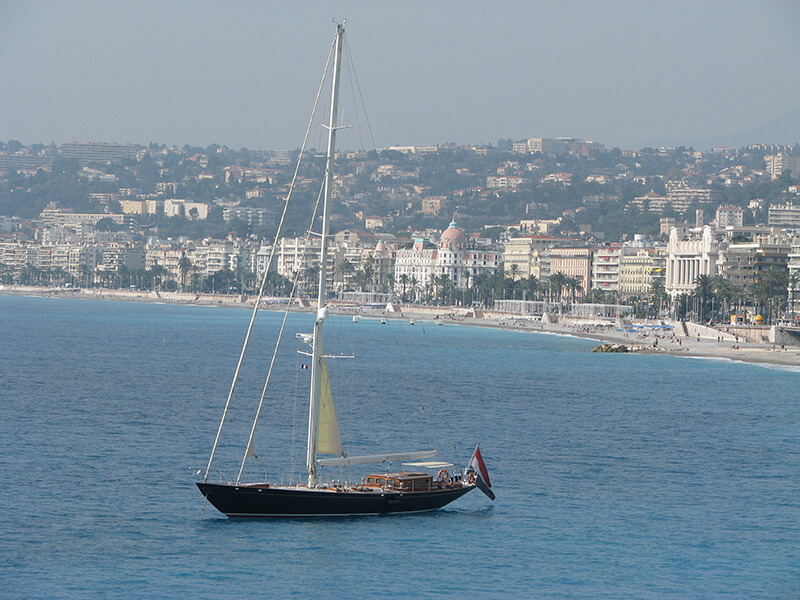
(651, 340)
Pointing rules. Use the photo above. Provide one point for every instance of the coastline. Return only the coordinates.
(646, 341)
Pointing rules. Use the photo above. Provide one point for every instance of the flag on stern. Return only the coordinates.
(477, 468)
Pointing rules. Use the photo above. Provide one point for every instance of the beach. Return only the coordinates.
(637, 336)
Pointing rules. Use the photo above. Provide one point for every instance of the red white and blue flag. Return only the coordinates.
(477, 468)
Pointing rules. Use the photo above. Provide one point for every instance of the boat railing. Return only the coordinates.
(216, 472)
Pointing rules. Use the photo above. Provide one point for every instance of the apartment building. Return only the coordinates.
(639, 269)
(784, 215)
(778, 163)
(606, 268)
(99, 152)
(573, 262)
(729, 216)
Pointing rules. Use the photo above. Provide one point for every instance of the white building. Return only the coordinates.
(605, 268)
(794, 277)
(681, 196)
(260, 217)
(453, 257)
(116, 256)
(690, 253)
(297, 254)
(778, 163)
(784, 215)
(730, 216)
(176, 207)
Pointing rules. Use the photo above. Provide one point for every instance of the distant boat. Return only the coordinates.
(383, 321)
(355, 318)
(387, 492)
(411, 321)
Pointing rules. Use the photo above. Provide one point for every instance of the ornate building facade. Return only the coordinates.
(453, 257)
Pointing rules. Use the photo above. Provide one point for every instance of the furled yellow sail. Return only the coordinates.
(328, 439)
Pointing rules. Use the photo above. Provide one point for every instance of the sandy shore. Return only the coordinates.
(644, 340)
(669, 344)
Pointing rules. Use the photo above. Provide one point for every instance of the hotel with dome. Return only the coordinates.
(454, 257)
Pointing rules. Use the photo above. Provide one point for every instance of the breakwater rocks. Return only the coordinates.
(616, 348)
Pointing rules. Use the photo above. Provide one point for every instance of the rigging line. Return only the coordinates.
(360, 95)
(400, 427)
(351, 380)
(277, 345)
(402, 350)
(431, 428)
(268, 266)
(350, 70)
(294, 416)
(405, 346)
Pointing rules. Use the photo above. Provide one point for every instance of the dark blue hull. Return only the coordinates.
(264, 501)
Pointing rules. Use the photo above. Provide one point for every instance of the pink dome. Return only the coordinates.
(453, 237)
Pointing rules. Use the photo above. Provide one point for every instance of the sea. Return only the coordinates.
(616, 476)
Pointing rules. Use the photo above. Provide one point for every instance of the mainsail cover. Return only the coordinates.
(329, 441)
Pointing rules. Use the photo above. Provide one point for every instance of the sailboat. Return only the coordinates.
(403, 491)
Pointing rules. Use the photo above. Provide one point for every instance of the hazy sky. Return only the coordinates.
(625, 73)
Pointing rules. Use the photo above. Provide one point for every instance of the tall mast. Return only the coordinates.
(316, 354)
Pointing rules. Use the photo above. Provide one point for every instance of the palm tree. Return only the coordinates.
(58, 274)
(310, 276)
(428, 289)
(369, 272)
(557, 283)
(531, 287)
(404, 283)
(479, 287)
(772, 290)
(658, 297)
(703, 290)
(196, 281)
(345, 270)
(725, 293)
(84, 275)
(414, 288)
(436, 286)
(573, 284)
(157, 272)
(442, 287)
(361, 279)
(185, 267)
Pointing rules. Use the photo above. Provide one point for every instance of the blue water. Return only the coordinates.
(617, 476)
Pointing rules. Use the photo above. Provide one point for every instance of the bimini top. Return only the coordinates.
(428, 465)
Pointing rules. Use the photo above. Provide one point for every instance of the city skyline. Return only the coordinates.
(242, 74)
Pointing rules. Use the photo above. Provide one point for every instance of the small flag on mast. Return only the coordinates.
(477, 467)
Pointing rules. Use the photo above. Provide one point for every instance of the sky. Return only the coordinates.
(238, 73)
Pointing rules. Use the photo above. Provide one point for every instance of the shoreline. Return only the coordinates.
(646, 341)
